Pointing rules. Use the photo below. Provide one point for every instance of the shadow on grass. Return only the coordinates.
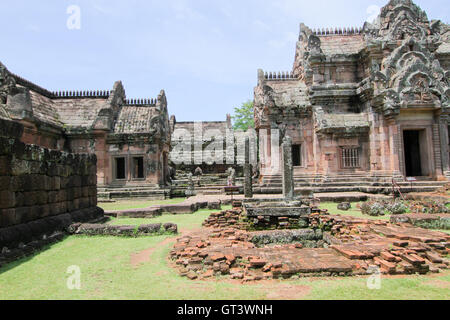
(27, 258)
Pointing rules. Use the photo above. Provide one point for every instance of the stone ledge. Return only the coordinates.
(125, 231)
(10, 129)
(12, 237)
(154, 211)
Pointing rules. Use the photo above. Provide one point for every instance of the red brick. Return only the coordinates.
(217, 257)
(387, 256)
(389, 267)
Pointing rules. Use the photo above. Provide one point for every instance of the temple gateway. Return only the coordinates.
(366, 104)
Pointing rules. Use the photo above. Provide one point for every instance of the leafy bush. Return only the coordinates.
(397, 207)
(373, 208)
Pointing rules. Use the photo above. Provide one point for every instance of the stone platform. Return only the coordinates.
(351, 246)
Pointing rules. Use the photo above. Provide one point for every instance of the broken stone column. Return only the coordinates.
(248, 171)
(287, 169)
(190, 192)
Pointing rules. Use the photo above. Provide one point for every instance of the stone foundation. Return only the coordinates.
(333, 246)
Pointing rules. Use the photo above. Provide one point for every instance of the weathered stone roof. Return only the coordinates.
(78, 113)
(135, 119)
(342, 44)
(44, 109)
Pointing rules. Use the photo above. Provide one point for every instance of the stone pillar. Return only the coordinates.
(436, 136)
(396, 145)
(248, 170)
(443, 132)
(288, 169)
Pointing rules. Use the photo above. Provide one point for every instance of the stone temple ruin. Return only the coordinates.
(371, 105)
(291, 238)
(362, 106)
(361, 109)
(130, 137)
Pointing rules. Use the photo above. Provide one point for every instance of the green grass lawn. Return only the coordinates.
(107, 273)
(354, 212)
(137, 204)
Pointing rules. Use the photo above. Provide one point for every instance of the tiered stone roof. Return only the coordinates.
(342, 44)
(135, 119)
(80, 111)
(44, 109)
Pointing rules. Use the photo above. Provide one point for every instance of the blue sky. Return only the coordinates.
(204, 53)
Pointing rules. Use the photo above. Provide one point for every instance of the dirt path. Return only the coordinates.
(144, 256)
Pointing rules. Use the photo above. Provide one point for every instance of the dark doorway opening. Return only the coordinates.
(138, 168)
(297, 155)
(120, 169)
(411, 140)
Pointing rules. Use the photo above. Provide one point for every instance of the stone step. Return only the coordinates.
(359, 183)
(365, 189)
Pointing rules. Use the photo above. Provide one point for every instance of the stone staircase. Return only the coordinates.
(132, 192)
(348, 183)
(214, 185)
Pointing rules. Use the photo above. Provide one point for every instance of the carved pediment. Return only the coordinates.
(405, 26)
(419, 90)
(410, 76)
(398, 20)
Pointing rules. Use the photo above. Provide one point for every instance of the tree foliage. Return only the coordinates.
(243, 118)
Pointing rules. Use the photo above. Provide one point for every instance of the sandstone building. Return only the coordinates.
(369, 104)
(131, 138)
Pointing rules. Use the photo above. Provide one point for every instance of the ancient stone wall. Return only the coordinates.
(42, 190)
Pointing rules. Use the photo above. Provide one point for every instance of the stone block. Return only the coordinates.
(7, 217)
(55, 183)
(20, 167)
(7, 199)
(5, 183)
(5, 165)
(344, 206)
(23, 214)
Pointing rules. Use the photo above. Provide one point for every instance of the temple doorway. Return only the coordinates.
(413, 155)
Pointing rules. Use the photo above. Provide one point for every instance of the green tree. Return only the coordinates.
(243, 118)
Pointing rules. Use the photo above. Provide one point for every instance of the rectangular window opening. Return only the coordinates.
(350, 158)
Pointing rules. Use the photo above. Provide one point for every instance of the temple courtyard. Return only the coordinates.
(142, 268)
